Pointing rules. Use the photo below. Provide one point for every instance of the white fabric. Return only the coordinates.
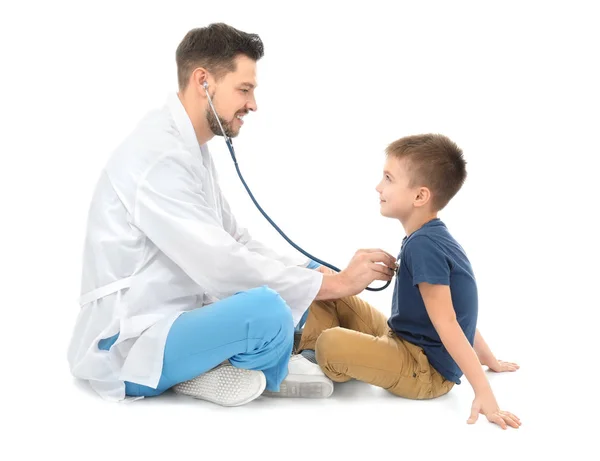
(161, 240)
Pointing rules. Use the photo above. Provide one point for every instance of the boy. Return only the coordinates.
(430, 339)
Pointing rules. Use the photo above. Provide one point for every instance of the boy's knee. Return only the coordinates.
(327, 345)
(329, 352)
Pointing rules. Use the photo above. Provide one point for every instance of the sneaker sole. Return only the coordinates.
(226, 385)
(301, 386)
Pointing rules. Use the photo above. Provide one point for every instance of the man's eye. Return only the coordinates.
(244, 90)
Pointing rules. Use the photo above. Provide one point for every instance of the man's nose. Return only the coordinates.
(251, 105)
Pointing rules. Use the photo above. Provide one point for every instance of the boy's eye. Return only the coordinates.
(244, 90)
(387, 177)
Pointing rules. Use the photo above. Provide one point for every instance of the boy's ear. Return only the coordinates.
(423, 197)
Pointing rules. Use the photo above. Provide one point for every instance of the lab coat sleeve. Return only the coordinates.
(242, 235)
(172, 211)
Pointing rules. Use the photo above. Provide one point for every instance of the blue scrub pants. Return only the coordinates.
(253, 329)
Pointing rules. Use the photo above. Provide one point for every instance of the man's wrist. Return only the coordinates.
(333, 287)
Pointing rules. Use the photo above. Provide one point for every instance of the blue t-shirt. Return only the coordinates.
(432, 255)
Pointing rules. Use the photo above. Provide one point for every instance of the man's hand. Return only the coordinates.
(487, 405)
(365, 267)
(500, 366)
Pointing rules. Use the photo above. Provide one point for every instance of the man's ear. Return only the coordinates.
(198, 78)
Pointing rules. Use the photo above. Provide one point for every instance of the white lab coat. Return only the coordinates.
(161, 240)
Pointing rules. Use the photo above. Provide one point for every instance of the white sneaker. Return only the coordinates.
(305, 379)
(225, 385)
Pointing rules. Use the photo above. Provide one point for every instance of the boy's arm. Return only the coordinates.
(438, 302)
(487, 358)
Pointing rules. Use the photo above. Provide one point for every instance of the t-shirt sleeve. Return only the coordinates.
(426, 262)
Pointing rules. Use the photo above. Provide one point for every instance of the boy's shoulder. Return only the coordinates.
(431, 255)
(433, 237)
(431, 234)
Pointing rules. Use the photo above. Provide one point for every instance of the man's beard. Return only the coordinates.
(214, 125)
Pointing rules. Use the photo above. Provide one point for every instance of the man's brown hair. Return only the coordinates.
(433, 161)
(214, 47)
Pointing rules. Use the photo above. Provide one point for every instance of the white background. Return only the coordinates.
(515, 84)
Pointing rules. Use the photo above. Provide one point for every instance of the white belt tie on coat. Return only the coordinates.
(105, 290)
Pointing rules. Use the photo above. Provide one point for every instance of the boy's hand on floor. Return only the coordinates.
(488, 406)
(500, 366)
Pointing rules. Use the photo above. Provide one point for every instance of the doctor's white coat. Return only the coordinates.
(161, 240)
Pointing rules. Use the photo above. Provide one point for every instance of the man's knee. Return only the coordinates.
(270, 306)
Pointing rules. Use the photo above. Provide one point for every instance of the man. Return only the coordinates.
(175, 293)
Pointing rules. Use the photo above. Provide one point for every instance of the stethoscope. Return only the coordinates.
(232, 152)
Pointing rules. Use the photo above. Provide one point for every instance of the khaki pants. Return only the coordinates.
(351, 339)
